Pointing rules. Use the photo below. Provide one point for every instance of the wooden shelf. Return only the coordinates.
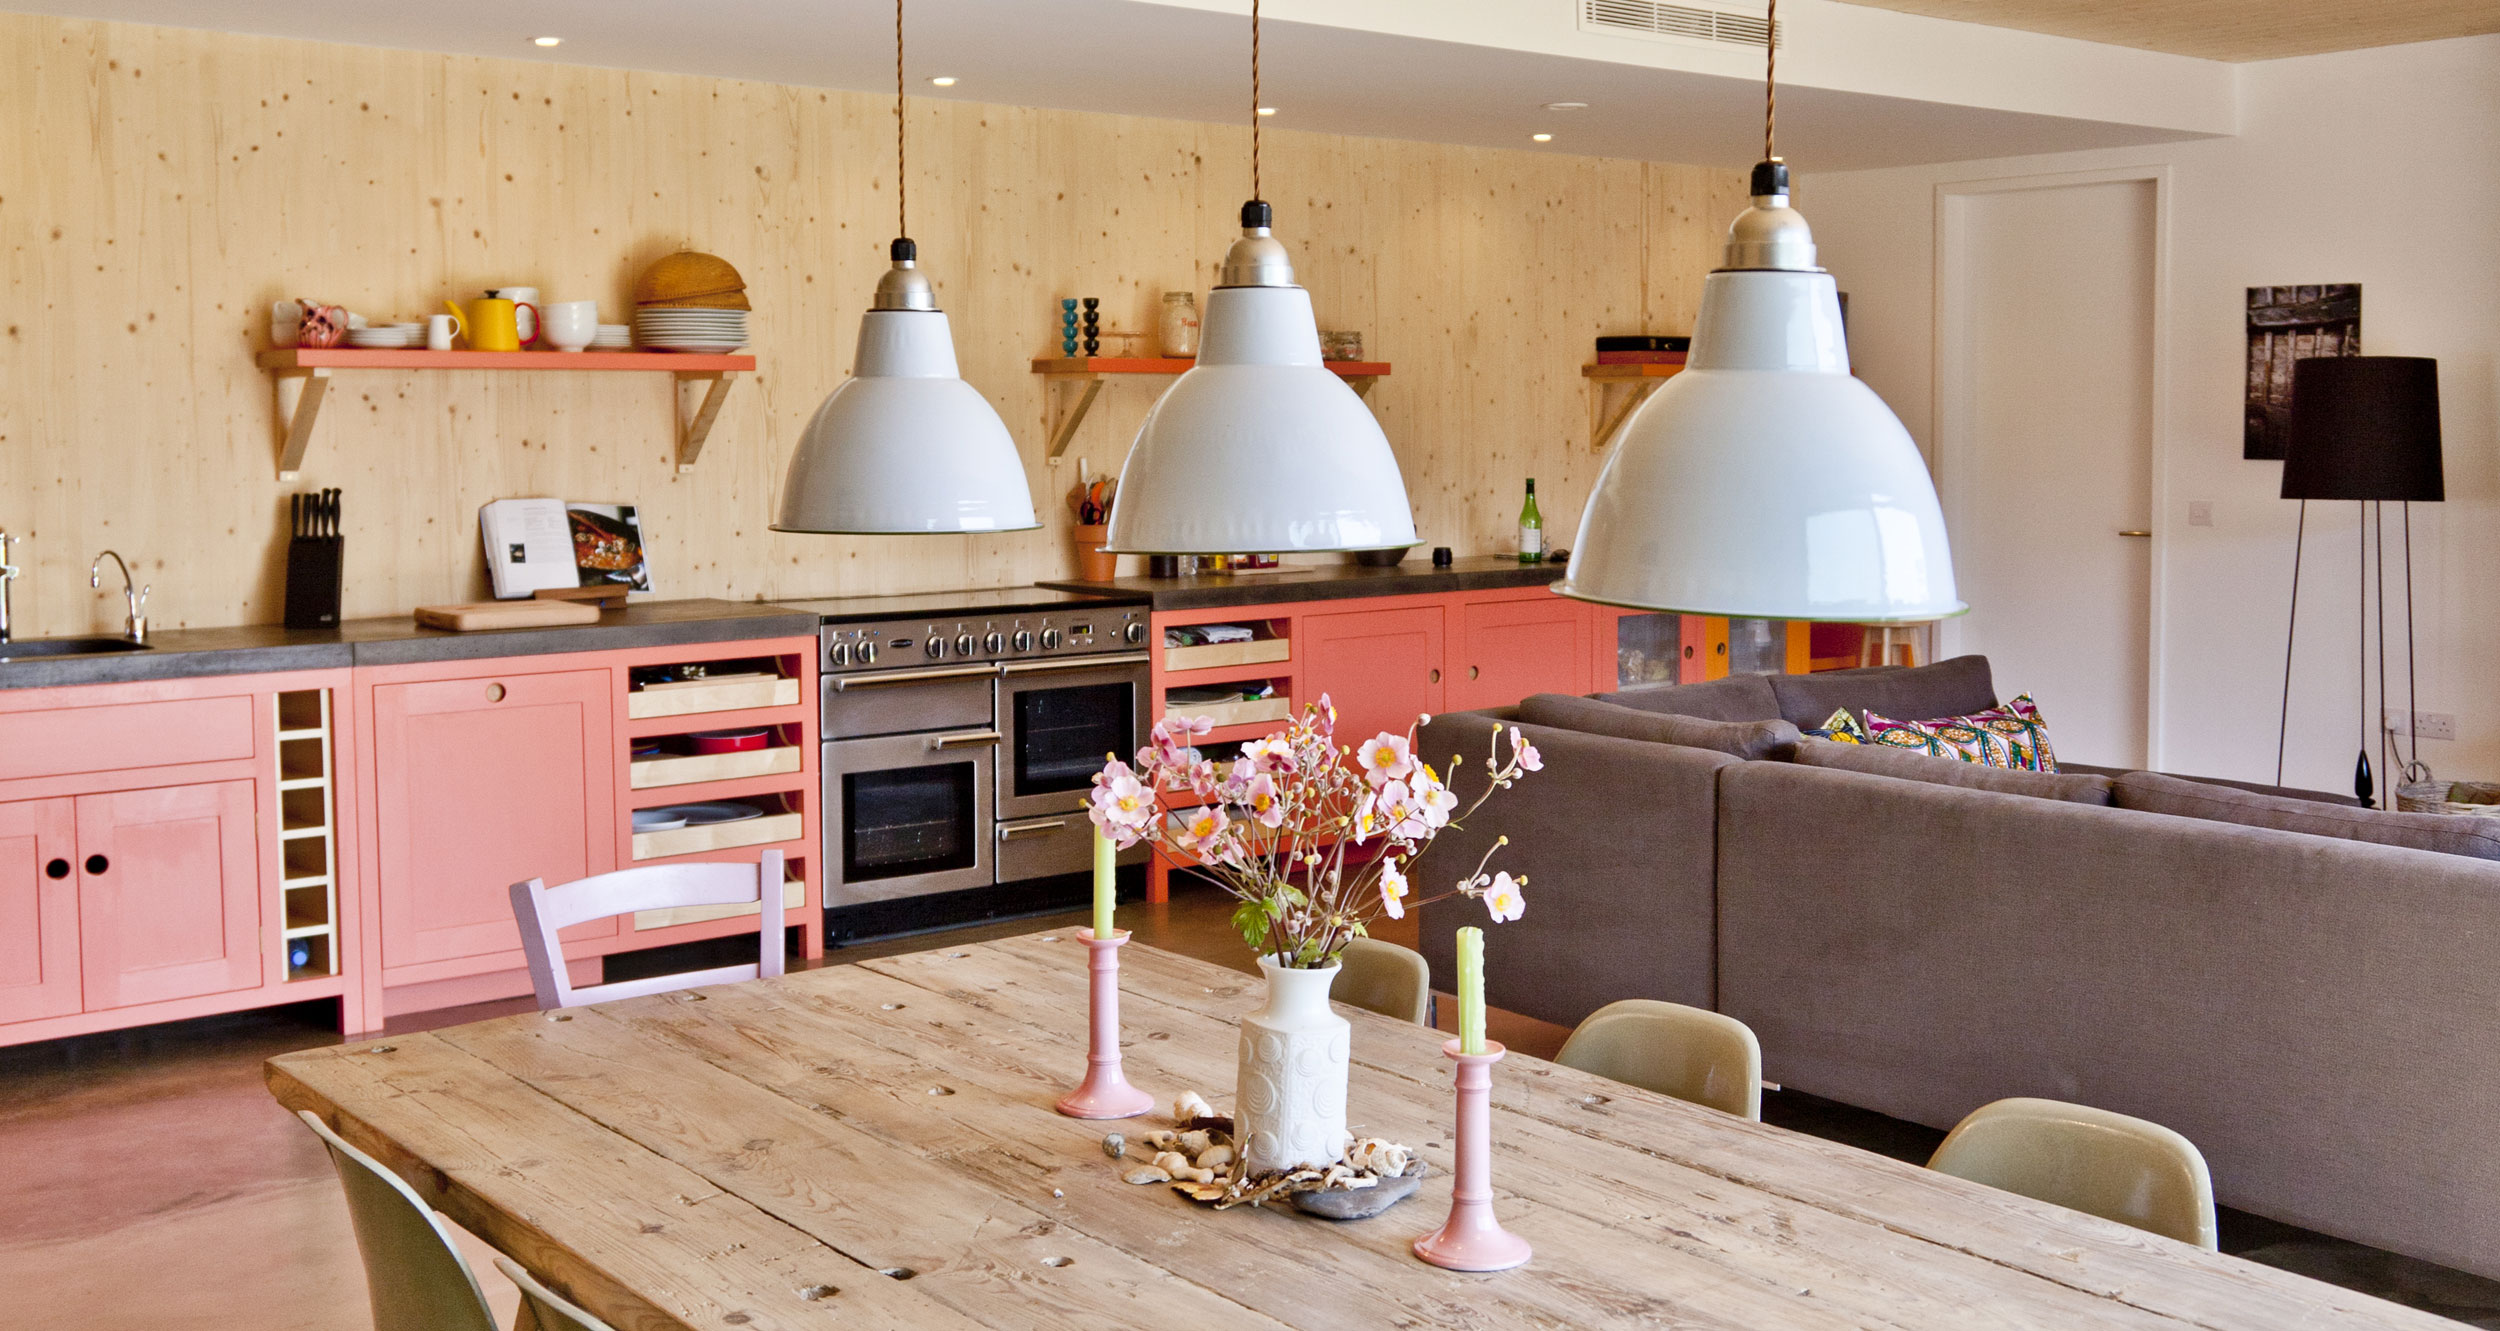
(1620, 389)
(301, 379)
(1218, 655)
(1226, 715)
(726, 693)
(1073, 382)
(694, 768)
(762, 831)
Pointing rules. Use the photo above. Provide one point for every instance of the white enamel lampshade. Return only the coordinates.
(905, 446)
(1765, 480)
(1259, 447)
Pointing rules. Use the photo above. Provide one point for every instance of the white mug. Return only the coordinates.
(571, 325)
(438, 333)
(528, 318)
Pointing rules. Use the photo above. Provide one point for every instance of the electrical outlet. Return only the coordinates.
(2393, 718)
(2435, 725)
(2200, 512)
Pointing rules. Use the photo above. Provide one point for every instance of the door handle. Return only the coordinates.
(98, 864)
(1472, 672)
(847, 683)
(1436, 676)
(1010, 831)
(2131, 532)
(1073, 663)
(965, 739)
(58, 868)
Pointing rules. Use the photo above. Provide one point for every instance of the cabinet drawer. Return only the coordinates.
(110, 738)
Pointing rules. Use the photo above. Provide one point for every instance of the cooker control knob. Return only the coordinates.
(1050, 640)
(964, 645)
(995, 643)
(868, 653)
(1135, 633)
(936, 648)
(1024, 640)
(840, 654)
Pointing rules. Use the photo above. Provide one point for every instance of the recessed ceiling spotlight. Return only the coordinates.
(1542, 138)
(942, 81)
(1267, 110)
(1566, 106)
(546, 41)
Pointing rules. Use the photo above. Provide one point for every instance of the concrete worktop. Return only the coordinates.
(1324, 582)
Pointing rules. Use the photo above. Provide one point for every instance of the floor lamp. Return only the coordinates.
(2364, 428)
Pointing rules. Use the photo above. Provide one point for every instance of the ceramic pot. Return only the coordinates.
(1093, 563)
(1289, 1096)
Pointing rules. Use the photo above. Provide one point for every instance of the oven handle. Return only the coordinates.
(964, 739)
(845, 683)
(1074, 663)
(1010, 831)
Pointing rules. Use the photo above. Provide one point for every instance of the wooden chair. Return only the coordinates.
(1384, 978)
(543, 910)
(542, 1307)
(1678, 1051)
(2118, 1168)
(414, 1273)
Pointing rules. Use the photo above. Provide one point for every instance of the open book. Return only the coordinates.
(534, 543)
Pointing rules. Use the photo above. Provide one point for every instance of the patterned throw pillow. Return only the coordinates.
(2013, 735)
(1840, 728)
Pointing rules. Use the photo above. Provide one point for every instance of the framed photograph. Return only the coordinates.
(2287, 324)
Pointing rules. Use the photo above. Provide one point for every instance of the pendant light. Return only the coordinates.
(905, 445)
(1765, 480)
(1259, 447)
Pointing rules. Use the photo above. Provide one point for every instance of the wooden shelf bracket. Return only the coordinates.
(1065, 400)
(1620, 390)
(693, 431)
(299, 396)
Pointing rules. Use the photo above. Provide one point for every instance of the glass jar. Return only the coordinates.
(1180, 325)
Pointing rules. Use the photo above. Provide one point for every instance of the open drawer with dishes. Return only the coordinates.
(1234, 703)
(691, 757)
(1249, 642)
(693, 827)
(722, 684)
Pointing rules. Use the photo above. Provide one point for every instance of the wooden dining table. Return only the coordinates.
(874, 1145)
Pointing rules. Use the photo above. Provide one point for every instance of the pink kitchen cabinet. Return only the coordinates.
(169, 894)
(1511, 646)
(1380, 667)
(38, 909)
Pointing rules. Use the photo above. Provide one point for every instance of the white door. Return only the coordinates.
(2045, 379)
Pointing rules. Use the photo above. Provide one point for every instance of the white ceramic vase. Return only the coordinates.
(1289, 1099)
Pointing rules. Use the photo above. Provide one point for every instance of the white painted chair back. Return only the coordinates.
(543, 911)
(414, 1273)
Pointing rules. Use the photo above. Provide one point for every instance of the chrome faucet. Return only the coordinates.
(8, 578)
(135, 627)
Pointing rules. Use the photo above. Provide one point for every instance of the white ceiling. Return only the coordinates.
(1458, 71)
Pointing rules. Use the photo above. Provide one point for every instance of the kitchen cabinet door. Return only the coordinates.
(479, 784)
(1509, 649)
(38, 909)
(1380, 667)
(169, 898)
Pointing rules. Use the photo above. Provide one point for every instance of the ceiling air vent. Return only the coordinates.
(1739, 26)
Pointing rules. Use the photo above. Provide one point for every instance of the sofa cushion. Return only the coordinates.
(1595, 716)
(2015, 735)
(1913, 766)
(2288, 792)
(1947, 688)
(1735, 698)
(2150, 792)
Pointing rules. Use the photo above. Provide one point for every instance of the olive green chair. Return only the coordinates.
(1683, 1052)
(1384, 978)
(414, 1273)
(542, 1307)
(2118, 1168)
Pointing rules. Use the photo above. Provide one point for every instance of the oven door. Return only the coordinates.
(1059, 719)
(907, 815)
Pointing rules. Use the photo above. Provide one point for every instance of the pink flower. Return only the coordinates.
(1434, 802)
(1503, 901)
(1273, 754)
(1393, 889)
(1202, 829)
(1384, 757)
(1121, 805)
(1259, 794)
(1524, 753)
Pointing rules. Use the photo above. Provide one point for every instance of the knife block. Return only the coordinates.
(312, 581)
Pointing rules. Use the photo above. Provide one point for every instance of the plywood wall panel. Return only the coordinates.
(159, 187)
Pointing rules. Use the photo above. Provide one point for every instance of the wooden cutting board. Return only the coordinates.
(505, 615)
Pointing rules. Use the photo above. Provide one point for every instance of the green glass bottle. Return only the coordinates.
(1531, 529)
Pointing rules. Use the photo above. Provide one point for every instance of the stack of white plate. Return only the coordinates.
(685, 328)
(613, 337)
(390, 337)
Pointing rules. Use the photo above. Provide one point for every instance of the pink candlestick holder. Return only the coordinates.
(1105, 1092)
(1471, 1239)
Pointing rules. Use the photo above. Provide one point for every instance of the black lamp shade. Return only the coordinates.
(2364, 427)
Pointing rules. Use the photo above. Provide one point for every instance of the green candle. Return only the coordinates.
(1471, 990)
(1106, 882)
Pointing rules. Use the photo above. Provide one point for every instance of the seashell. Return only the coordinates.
(1194, 1144)
(1200, 1192)
(1191, 1105)
(1163, 1139)
(1216, 1157)
(1146, 1174)
(1115, 1145)
(1173, 1161)
(1194, 1175)
(1219, 1136)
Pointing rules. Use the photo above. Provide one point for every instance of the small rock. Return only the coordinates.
(1115, 1146)
(1361, 1203)
(1146, 1174)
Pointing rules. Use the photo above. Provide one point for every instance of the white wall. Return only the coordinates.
(2380, 167)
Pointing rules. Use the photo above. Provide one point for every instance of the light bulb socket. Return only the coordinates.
(1770, 178)
(1256, 214)
(903, 250)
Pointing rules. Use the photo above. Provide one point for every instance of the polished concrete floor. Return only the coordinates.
(147, 1181)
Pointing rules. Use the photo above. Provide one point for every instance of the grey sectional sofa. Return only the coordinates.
(2320, 1014)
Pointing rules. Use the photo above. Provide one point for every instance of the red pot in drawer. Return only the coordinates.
(728, 741)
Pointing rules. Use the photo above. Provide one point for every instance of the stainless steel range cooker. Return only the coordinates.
(962, 731)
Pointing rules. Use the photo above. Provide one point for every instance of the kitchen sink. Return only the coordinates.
(41, 647)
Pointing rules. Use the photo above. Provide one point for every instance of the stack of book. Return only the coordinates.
(1642, 349)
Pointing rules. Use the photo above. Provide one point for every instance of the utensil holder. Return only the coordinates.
(1105, 1092)
(1093, 563)
(1471, 1239)
(313, 566)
